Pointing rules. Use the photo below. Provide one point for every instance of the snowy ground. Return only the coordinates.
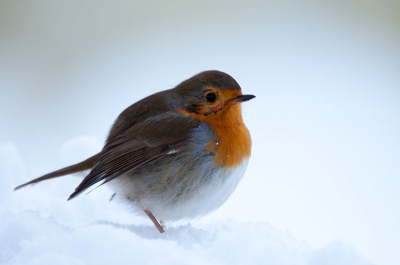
(38, 226)
(28, 238)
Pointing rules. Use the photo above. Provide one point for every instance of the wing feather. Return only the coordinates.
(141, 144)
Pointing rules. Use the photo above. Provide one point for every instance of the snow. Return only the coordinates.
(28, 238)
(47, 229)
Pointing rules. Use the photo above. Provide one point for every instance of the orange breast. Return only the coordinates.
(233, 143)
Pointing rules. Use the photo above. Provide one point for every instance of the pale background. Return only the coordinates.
(325, 125)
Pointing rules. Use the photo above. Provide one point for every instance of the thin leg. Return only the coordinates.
(152, 218)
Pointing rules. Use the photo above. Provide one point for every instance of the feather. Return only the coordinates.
(142, 143)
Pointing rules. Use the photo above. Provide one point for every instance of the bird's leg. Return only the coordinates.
(152, 218)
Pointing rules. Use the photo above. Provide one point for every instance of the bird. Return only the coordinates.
(176, 154)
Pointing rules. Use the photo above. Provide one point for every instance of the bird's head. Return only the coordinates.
(211, 96)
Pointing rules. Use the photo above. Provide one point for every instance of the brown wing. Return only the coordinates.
(139, 145)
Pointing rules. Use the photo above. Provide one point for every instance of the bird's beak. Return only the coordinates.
(242, 98)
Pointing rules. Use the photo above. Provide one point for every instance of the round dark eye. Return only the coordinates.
(211, 97)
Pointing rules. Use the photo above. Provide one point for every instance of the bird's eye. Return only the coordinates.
(210, 97)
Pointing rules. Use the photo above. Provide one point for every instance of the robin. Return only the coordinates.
(179, 153)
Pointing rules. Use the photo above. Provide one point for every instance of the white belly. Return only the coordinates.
(209, 197)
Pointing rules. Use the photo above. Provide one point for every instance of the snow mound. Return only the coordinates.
(29, 238)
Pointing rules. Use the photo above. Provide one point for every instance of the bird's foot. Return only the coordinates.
(155, 222)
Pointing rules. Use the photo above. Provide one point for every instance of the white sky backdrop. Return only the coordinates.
(325, 124)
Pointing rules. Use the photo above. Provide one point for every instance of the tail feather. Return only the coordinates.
(87, 164)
